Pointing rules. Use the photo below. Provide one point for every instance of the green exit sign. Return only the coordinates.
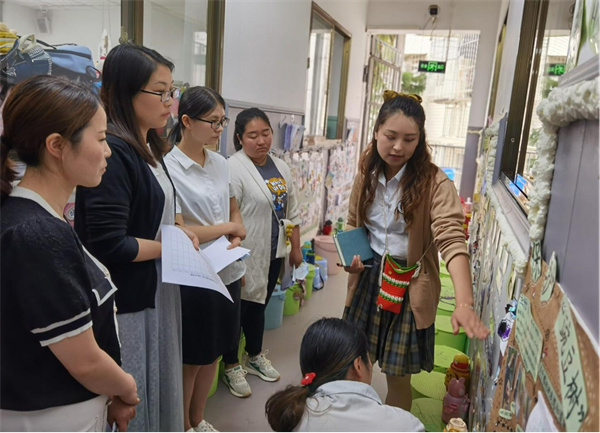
(432, 66)
(555, 69)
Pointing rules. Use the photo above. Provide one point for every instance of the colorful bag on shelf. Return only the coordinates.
(394, 282)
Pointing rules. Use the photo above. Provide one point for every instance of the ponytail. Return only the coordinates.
(327, 352)
(174, 136)
(285, 408)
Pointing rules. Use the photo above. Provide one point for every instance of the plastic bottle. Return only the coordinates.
(468, 205)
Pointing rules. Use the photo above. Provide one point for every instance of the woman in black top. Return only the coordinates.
(119, 222)
(60, 351)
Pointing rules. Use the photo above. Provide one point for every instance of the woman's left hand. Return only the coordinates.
(190, 234)
(296, 257)
(473, 326)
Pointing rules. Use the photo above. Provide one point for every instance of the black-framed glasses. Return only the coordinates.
(166, 95)
(216, 124)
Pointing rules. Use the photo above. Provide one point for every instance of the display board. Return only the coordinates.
(549, 356)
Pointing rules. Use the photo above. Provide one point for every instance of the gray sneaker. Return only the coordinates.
(260, 366)
(204, 426)
(235, 379)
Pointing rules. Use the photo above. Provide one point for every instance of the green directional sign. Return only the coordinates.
(432, 66)
(555, 69)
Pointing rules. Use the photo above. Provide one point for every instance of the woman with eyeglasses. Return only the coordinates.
(211, 323)
(119, 222)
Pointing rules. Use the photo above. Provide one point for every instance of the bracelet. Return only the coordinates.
(469, 306)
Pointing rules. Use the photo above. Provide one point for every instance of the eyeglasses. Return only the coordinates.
(166, 95)
(216, 124)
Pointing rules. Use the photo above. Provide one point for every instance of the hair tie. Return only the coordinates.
(391, 94)
(308, 379)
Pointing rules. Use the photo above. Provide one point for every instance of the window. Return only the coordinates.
(327, 76)
(542, 55)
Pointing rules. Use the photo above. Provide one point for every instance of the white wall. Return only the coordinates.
(266, 47)
(265, 51)
(79, 25)
(482, 15)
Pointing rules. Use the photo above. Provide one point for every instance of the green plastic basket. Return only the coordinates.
(445, 307)
(428, 385)
(429, 412)
(309, 280)
(443, 357)
(444, 335)
(291, 305)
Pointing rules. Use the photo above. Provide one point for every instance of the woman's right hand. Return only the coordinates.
(356, 266)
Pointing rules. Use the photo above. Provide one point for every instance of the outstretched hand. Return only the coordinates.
(473, 326)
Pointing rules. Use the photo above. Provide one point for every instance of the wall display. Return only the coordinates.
(549, 375)
(339, 180)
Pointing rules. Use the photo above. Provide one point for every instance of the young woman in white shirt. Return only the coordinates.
(211, 323)
(335, 393)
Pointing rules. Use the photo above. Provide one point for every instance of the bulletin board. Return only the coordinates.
(549, 356)
(309, 169)
(339, 180)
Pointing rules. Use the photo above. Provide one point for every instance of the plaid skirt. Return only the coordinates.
(394, 340)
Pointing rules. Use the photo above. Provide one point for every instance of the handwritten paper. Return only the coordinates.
(540, 418)
(529, 337)
(182, 264)
(549, 279)
(553, 400)
(572, 385)
(536, 261)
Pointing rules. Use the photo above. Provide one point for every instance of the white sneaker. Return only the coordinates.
(204, 426)
(260, 366)
(235, 379)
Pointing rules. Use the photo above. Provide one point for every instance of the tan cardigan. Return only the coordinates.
(439, 216)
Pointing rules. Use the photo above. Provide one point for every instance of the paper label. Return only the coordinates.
(572, 385)
(536, 261)
(553, 399)
(529, 337)
(549, 279)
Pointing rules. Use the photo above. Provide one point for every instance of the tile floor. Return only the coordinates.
(229, 413)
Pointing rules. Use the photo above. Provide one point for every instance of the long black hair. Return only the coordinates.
(328, 349)
(195, 102)
(242, 119)
(126, 71)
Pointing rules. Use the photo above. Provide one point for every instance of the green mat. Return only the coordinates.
(429, 412)
(430, 385)
(444, 335)
(443, 357)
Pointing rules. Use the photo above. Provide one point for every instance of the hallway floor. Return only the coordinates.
(228, 413)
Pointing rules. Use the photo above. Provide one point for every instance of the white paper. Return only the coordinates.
(182, 264)
(540, 418)
(219, 256)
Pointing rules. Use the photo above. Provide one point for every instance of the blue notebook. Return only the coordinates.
(352, 242)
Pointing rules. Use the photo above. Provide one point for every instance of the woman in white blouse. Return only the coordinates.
(211, 323)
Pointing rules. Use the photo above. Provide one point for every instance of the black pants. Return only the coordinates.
(253, 318)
